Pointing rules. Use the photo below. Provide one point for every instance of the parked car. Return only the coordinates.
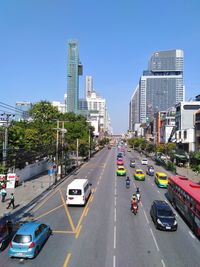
(144, 161)
(163, 216)
(150, 170)
(29, 239)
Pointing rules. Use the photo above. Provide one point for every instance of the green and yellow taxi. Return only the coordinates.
(161, 179)
(139, 175)
(121, 171)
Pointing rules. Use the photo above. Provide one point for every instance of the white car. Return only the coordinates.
(144, 161)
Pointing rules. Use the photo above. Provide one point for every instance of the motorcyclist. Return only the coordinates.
(127, 181)
(134, 201)
(138, 193)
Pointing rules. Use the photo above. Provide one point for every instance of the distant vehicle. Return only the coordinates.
(163, 216)
(132, 163)
(120, 161)
(128, 149)
(161, 179)
(150, 170)
(144, 161)
(121, 171)
(119, 155)
(78, 192)
(29, 239)
(109, 146)
(185, 197)
(139, 175)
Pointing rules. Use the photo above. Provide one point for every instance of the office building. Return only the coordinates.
(161, 86)
(88, 86)
(74, 69)
(22, 108)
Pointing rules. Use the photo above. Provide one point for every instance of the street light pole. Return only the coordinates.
(89, 154)
(77, 145)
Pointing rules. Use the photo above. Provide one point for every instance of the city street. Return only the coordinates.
(104, 233)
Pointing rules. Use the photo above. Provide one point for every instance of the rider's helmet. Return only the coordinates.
(137, 190)
(134, 197)
(127, 178)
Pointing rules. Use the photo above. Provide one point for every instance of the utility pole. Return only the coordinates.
(89, 154)
(57, 142)
(77, 145)
(6, 117)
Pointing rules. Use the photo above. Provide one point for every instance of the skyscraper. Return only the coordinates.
(161, 86)
(88, 86)
(74, 69)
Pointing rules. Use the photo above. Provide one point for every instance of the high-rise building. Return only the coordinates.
(74, 69)
(88, 86)
(161, 86)
(22, 108)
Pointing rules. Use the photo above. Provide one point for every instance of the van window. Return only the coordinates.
(86, 188)
(75, 192)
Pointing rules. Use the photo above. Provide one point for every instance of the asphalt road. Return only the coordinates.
(105, 233)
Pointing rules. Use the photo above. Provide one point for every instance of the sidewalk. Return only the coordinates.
(26, 193)
(188, 173)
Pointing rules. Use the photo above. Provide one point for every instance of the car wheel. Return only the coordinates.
(156, 224)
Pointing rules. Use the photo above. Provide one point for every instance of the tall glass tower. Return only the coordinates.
(74, 69)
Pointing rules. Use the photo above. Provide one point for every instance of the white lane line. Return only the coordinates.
(163, 263)
(146, 216)
(114, 243)
(114, 261)
(98, 182)
(115, 191)
(152, 184)
(115, 215)
(115, 201)
(158, 191)
(154, 240)
(191, 234)
(86, 177)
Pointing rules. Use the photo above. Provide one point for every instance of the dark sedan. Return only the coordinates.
(163, 216)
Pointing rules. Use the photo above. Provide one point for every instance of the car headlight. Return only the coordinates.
(175, 222)
(159, 221)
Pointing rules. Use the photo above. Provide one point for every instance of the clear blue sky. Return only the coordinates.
(116, 39)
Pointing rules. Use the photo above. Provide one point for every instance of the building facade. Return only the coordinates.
(185, 125)
(88, 86)
(161, 86)
(74, 69)
(22, 108)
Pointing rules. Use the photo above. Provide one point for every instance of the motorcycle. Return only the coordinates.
(134, 208)
(127, 184)
(138, 197)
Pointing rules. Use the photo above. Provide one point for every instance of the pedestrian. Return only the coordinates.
(3, 194)
(12, 201)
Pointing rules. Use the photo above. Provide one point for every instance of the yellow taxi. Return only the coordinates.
(161, 179)
(121, 171)
(139, 175)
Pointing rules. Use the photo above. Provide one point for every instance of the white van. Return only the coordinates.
(78, 192)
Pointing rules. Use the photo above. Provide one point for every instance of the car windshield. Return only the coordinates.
(22, 239)
(165, 213)
(121, 169)
(139, 172)
(163, 177)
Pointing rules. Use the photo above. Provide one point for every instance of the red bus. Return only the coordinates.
(185, 197)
